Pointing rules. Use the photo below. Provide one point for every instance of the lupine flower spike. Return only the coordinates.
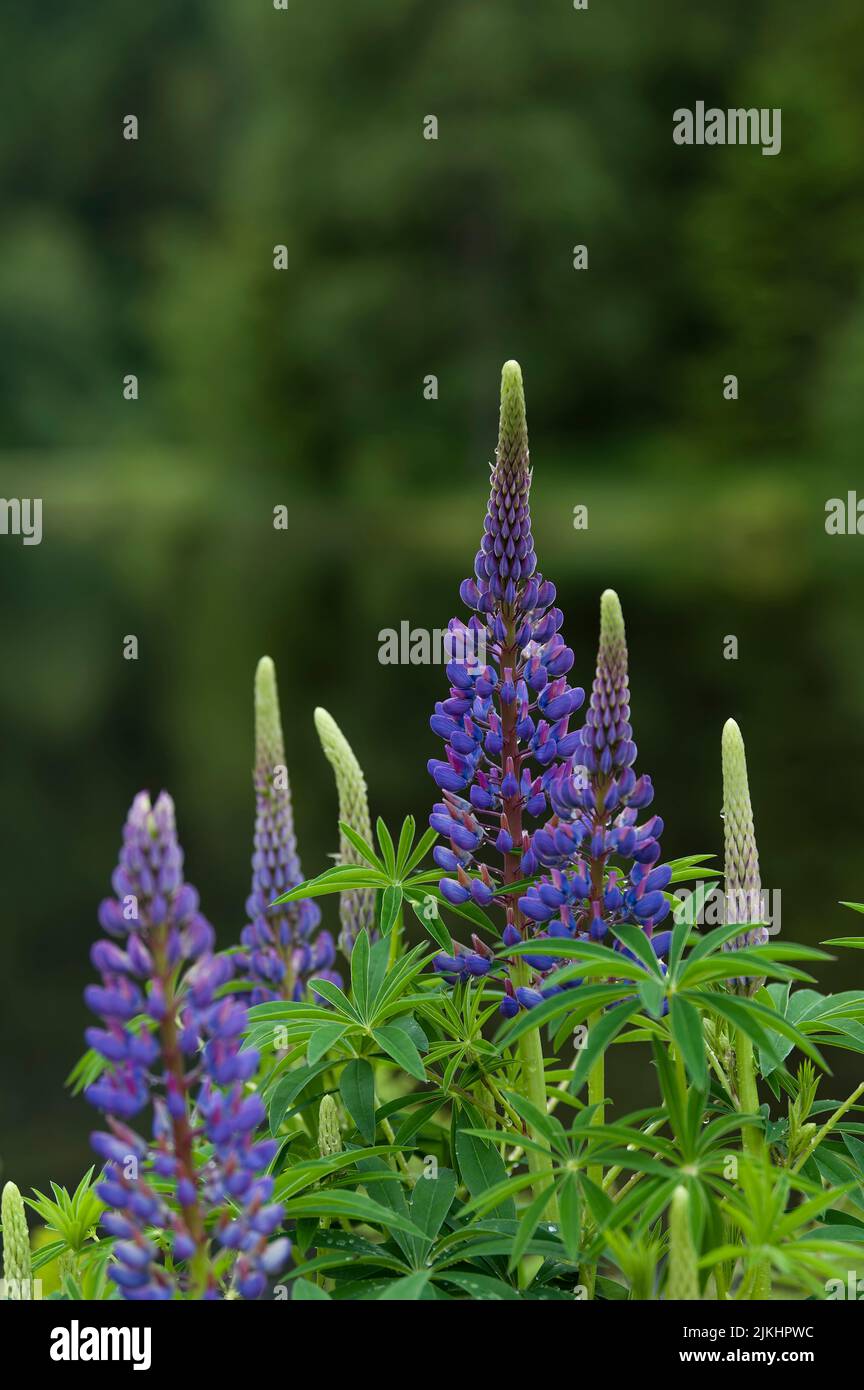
(506, 720)
(597, 796)
(356, 907)
(743, 884)
(17, 1268)
(281, 953)
(682, 1280)
(171, 1042)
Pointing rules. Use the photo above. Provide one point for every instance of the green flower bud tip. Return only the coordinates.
(613, 643)
(329, 1133)
(17, 1268)
(356, 907)
(743, 884)
(682, 1279)
(269, 744)
(513, 427)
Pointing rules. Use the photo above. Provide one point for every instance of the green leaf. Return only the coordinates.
(636, 941)
(287, 1091)
(406, 840)
(407, 1290)
(685, 1022)
(600, 1035)
(399, 1045)
(363, 848)
(570, 1208)
(360, 971)
(527, 1226)
(690, 909)
(391, 903)
(357, 1087)
(430, 1203)
(421, 849)
(428, 914)
(353, 1205)
(322, 1039)
(480, 1287)
(388, 853)
(336, 880)
(482, 1167)
(305, 1289)
(335, 997)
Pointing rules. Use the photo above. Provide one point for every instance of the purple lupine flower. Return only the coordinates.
(597, 797)
(506, 721)
(170, 1041)
(280, 951)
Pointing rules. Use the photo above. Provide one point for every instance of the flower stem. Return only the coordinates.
(748, 1096)
(596, 1096)
(532, 1086)
(753, 1139)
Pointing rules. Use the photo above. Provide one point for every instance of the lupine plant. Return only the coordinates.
(438, 1124)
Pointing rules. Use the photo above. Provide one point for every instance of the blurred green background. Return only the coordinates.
(304, 387)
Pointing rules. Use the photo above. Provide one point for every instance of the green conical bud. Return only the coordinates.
(682, 1278)
(357, 907)
(513, 425)
(17, 1268)
(329, 1133)
(743, 884)
(613, 645)
(269, 744)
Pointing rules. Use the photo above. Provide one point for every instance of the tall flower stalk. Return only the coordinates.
(356, 906)
(597, 797)
(170, 1041)
(506, 724)
(280, 950)
(743, 903)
